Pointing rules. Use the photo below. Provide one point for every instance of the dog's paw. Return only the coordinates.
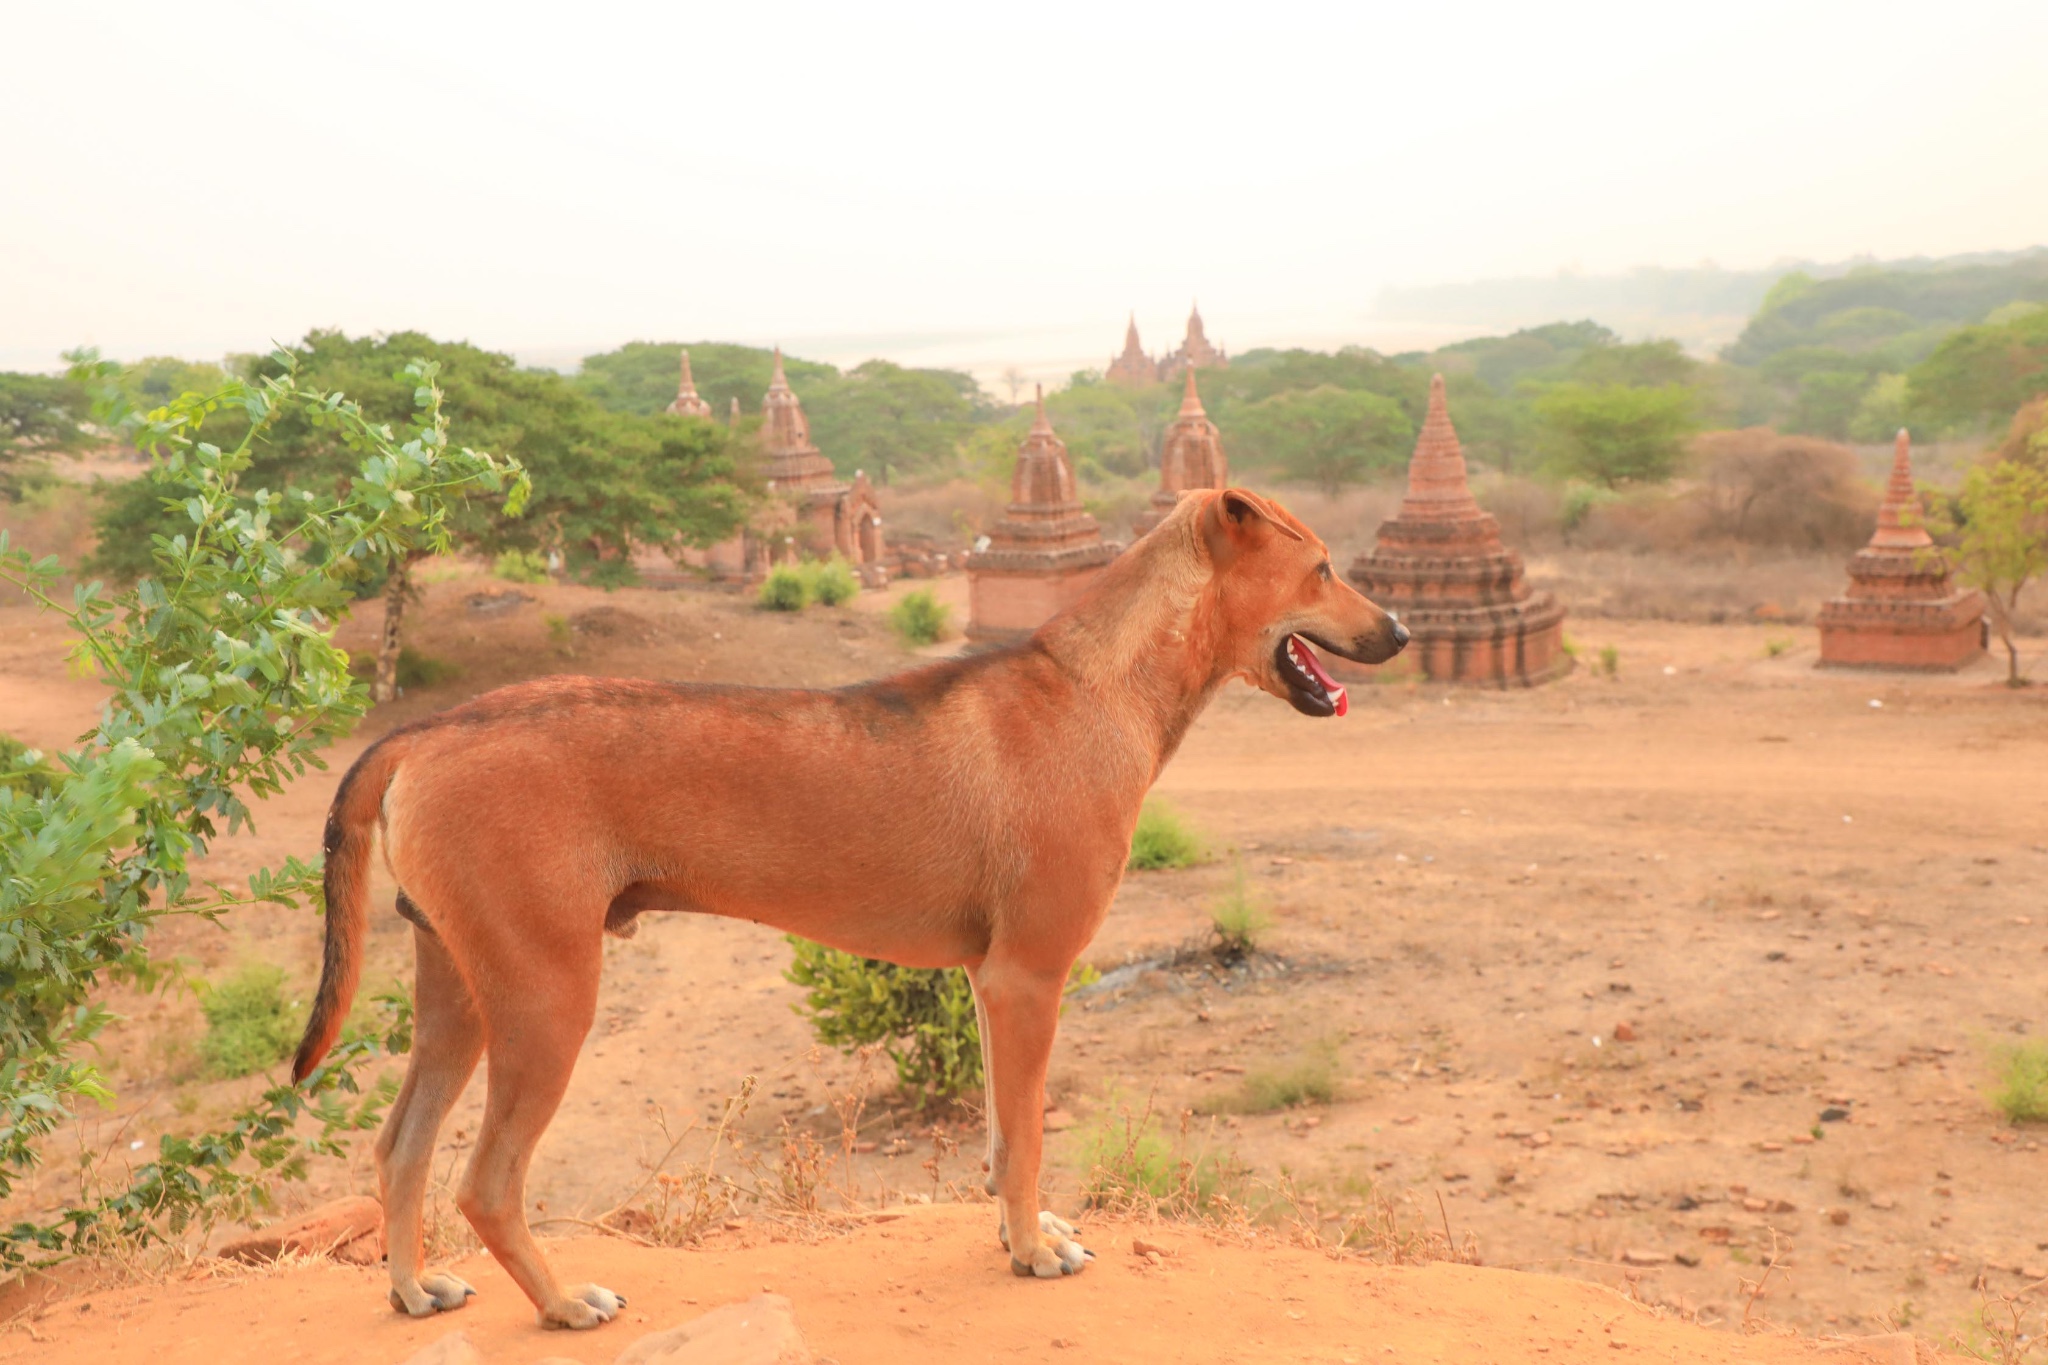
(584, 1306)
(436, 1292)
(1053, 1257)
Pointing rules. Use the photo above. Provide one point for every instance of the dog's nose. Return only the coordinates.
(1400, 635)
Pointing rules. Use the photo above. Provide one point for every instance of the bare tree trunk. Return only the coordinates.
(397, 588)
(2001, 617)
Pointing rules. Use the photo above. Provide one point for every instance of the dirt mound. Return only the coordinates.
(930, 1284)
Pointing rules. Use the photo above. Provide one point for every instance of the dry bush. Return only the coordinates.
(1531, 513)
(2026, 439)
(1760, 488)
(1735, 583)
(1348, 523)
(950, 513)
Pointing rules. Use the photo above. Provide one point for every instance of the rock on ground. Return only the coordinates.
(454, 1349)
(758, 1331)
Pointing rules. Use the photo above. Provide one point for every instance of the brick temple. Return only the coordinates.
(1133, 369)
(1440, 565)
(1901, 609)
(810, 510)
(1195, 353)
(1044, 552)
(688, 402)
(1190, 456)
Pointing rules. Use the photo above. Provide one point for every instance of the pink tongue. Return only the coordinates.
(1307, 656)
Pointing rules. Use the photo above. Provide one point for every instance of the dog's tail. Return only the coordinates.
(351, 832)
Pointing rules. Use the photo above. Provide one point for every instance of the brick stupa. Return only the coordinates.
(1044, 552)
(1901, 609)
(1133, 368)
(688, 403)
(1441, 567)
(1191, 456)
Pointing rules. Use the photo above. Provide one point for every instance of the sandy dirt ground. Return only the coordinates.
(921, 1287)
(1639, 975)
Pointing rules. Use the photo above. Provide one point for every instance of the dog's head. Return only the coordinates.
(1277, 599)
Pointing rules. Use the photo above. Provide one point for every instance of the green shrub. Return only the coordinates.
(831, 581)
(416, 669)
(1610, 662)
(922, 1016)
(249, 1027)
(1238, 919)
(2021, 1092)
(521, 566)
(920, 618)
(1163, 839)
(1777, 645)
(785, 589)
(1309, 1079)
(559, 634)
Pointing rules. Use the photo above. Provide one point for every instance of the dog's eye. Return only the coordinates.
(1323, 571)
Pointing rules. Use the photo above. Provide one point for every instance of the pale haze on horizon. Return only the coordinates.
(957, 185)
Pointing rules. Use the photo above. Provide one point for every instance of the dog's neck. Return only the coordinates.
(1144, 641)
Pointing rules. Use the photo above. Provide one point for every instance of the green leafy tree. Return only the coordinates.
(1614, 434)
(39, 416)
(604, 482)
(2000, 528)
(1327, 436)
(223, 685)
(1981, 373)
(891, 420)
(640, 377)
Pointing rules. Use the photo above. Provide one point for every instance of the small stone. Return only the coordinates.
(1641, 1256)
(1883, 1201)
(1058, 1120)
(757, 1331)
(1145, 1248)
(1624, 1032)
(1686, 1258)
(1755, 1205)
(1834, 1113)
(454, 1349)
(1839, 1217)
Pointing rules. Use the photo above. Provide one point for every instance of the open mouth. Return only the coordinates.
(1310, 688)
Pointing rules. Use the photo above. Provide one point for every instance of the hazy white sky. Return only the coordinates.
(961, 182)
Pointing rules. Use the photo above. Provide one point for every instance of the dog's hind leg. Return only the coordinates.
(997, 1154)
(1023, 1008)
(447, 1037)
(544, 996)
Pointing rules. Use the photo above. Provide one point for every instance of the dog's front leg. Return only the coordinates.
(1022, 1005)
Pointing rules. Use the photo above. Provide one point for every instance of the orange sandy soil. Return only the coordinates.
(1797, 901)
(930, 1286)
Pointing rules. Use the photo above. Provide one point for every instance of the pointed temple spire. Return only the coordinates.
(793, 461)
(1437, 488)
(688, 403)
(1132, 368)
(1043, 552)
(1897, 528)
(1190, 456)
(1901, 609)
(1441, 567)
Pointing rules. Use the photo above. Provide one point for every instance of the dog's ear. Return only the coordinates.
(1238, 514)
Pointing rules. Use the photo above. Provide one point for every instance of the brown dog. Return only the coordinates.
(977, 812)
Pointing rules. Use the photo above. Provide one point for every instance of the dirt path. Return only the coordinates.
(930, 1286)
